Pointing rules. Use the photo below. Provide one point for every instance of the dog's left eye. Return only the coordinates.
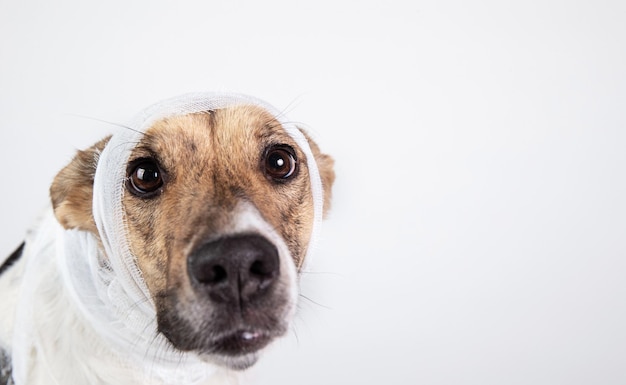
(145, 179)
(280, 163)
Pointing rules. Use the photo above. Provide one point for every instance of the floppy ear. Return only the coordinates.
(325, 165)
(72, 189)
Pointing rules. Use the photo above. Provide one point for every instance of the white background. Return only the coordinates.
(479, 220)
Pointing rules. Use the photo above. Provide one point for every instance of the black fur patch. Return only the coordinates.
(5, 369)
(10, 261)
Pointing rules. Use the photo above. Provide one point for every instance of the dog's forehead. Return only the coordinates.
(229, 131)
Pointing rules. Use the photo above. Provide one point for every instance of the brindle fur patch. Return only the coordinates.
(210, 162)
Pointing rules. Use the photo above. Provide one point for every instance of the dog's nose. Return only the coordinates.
(235, 268)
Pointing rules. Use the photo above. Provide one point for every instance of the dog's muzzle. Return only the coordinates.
(239, 302)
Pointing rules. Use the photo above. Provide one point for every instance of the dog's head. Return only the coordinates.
(219, 213)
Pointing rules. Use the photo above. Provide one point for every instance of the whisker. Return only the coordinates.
(126, 127)
(316, 303)
(153, 340)
(271, 124)
(126, 143)
(294, 330)
(134, 306)
(320, 273)
(106, 122)
(294, 102)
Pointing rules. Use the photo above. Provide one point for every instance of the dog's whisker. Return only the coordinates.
(124, 144)
(315, 302)
(134, 306)
(294, 330)
(153, 340)
(145, 330)
(310, 272)
(292, 104)
(272, 124)
(108, 122)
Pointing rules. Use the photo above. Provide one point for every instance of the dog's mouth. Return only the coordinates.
(228, 336)
(239, 339)
(240, 349)
(237, 349)
(242, 342)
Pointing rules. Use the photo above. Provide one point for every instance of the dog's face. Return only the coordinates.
(219, 215)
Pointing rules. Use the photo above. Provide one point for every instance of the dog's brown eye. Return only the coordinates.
(280, 163)
(145, 178)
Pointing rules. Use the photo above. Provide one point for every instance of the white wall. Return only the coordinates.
(478, 230)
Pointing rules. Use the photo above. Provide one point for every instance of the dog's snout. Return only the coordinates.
(234, 268)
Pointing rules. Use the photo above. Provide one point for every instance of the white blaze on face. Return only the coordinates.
(247, 219)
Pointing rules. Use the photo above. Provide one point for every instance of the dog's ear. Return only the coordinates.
(325, 164)
(72, 189)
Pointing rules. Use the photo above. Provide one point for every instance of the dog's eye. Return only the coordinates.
(145, 179)
(280, 163)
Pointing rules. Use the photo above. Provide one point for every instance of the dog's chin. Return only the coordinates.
(241, 362)
(239, 350)
(236, 350)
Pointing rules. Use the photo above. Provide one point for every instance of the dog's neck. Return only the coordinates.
(66, 329)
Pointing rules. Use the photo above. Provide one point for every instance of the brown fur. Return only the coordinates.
(72, 189)
(210, 162)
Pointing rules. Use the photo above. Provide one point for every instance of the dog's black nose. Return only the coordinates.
(235, 268)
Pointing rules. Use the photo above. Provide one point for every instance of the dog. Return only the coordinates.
(169, 255)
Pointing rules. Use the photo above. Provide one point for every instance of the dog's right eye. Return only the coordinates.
(145, 178)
